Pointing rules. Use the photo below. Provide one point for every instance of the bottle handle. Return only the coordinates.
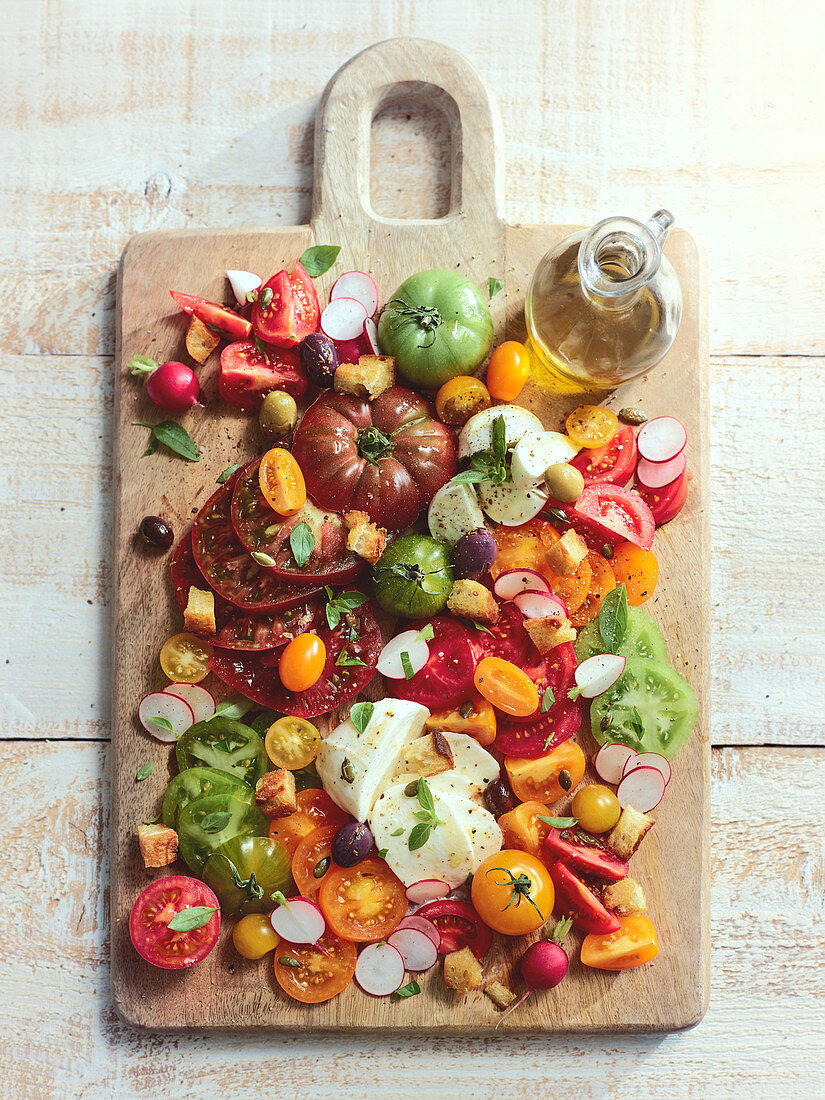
(660, 225)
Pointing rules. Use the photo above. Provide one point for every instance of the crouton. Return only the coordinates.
(473, 601)
(462, 971)
(199, 615)
(275, 793)
(499, 994)
(158, 845)
(624, 897)
(549, 632)
(428, 755)
(201, 341)
(365, 538)
(628, 832)
(369, 377)
(566, 555)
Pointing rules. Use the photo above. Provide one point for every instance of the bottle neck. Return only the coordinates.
(619, 257)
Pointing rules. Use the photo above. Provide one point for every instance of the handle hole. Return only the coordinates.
(410, 172)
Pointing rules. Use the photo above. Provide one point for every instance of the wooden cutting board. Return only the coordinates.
(225, 991)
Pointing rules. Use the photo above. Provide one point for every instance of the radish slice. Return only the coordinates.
(661, 439)
(357, 285)
(298, 920)
(649, 760)
(390, 663)
(654, 475)
(198, 698)
(350, 351)
(343, 319)
(642, 789)
(421, 924)
(371, 336)
(380, 969)
(428, 889)
(515, 581)
(595, 675)
(540, 605)
(167, 708)
(416, 948)
(611, 760)
(242, 282)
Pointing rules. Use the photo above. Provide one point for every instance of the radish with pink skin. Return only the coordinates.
(611, 761)
(595, 675)
(661, 439)
(514, 582)
(172, 386)
(343, 319)
(544, 964)
(371, 336)
(357, 285)
(198, 698)
(540, 605)
(379, 969)
(642, 788)
(390, 661)
(243, 283)
(428, 889)
(655, 475)
(648, 760)
(298, 920)
(421, 924)
(165, 716)
(416, 948)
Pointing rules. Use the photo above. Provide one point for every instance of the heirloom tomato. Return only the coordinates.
(156, 906)
(413, 577)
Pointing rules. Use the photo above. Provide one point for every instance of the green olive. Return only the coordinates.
(279, 413)
(564, 482)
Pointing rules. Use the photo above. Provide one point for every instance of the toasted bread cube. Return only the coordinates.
(275, 793)
(462, 971)
(201, 341)
(428, 755)
(472, 600)
(549, 632)
(365, 538)
(499, 994)
(158, 845)
(566, 555)
(628, 832)
(199, 614)
(624, 897)
(369, 377)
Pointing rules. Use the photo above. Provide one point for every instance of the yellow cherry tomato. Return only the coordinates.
(596, 807)
(544, 779)
(512, 892)
(292, 743)
(592, 425)
(302, 662)
(254, 937)
(461, 398)
(505, 686)
(282, 482)
(507, 371)
(185, 659)
(633, 945)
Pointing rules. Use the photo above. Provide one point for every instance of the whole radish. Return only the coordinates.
(544, 964)
(172, 386)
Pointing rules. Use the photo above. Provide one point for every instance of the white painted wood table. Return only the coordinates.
(118, 118)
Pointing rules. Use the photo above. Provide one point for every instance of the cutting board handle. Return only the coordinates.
(408, 69)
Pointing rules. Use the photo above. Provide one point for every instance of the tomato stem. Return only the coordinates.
(425, 317)
(373, 444)
(522, 886)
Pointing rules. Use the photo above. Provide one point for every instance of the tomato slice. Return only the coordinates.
(633, 944)
(309, 856)
(506, 639)
(560, 723)
(459, 926)
(219, 317)
(292, 311)
(616, 513)
(447, 677)
(363, 903)
(260, 531)
(155, 907)
(324, 968)
(575, 900)
(614, 462)
(585, 857)
(557, 671)
(316, 810)
(666, 503)
(247, 375)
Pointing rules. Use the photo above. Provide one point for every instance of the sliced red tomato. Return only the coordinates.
(506, 639)
(614, 462)
(575, 900)
(363, 903)
(226, 321)
(292, 311)
(459, 926)
(533, 740)
(248, 375)
(585, 857)
(556, 670)
(255, 675)
(259, 529)
(616, 513)
(155, 907)
(665, 503)
(447, 677)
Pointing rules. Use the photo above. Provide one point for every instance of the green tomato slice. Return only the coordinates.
(650, 708)
(261, 865)
(207, 823)
(643, 639)
(226, 745)
(195, 783)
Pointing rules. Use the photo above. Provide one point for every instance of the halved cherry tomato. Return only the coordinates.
(461, 398)
(577, 901)
(292, 742)
(315, 809)
(363, 903)
(302, 662)
(324, 968)
(614, 462)
(282, 482)
(616, 513)
(459, 926)
(219, 317)
(538, 780)
(479, 722)
(592, 425)
(512, 892)
(149, 920)
(523, 828)
(505, 686)
(632, 944)
(185, 658)
(291, 309)
(586, 858)
(602, 581)
(308, 866)
(507, 370)
(570, 587)
(247, 375)
(639, 570)
(666, 503)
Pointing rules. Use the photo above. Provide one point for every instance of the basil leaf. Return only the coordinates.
(406, 664)
(411, 989)
(173, 436)
(561, 822)
(142, 364)
(425, 634)
(613, 618)
(234, 708)
(494, 286)
(189, 919)
(302, 543)
(425, 795)
(547, 700)
(319, 258)
(499, 438)
(470, 477)
(222, 478)
(419, 835)
(341, 604)
(213, 823)
(144, 773)
(154, 820)
(360, 715)
(382, 853)
(345, 661)
(164, 723)
(397, 832)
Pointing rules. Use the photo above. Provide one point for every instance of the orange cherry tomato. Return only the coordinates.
(363, 903)
(461, 398)
(592, 425)
(633, 945)
(639, 570)
(480, 723)
(570, 587)
(302, 662)
(308, 868)
(522, 828)
(512, 892)
(315, 809)
(185, 658)
(538, 780)
(320, 974)
(282, 482)
(505, 686)
(602, 581)
(507, 371)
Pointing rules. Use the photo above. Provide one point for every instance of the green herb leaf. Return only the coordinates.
(142, 364)
(319, 259)
(382, 853)
(425, 795)
(499, 438)
(470, 477)
(419, 835)
(150, 450)
(222, 478)
(302, 543)
(252, 296)
(556, 514)
(234, 708)
(213, 823)
(164, 723)
(411, 989)
(341, 604)
(189, 919)
(406, 664)
(153, 821)
(173, 436)
(494, 286)
(398, 832)
(262, 348)
(634, 723)
(425, 634)
(613, 618)
(344, 660)
(144, 773)
(561, 822)
(547, 700)
(360, 715)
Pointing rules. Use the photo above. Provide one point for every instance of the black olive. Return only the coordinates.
(351, 844)
(499, 798)
(156, 532)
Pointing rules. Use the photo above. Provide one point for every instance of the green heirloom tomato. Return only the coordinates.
(196, 783)
(246, 871)
(437, 325)
(643, 638)
(207, 823)
(413, 577)
(226, 745)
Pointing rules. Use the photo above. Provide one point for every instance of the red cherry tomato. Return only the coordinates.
(155, 907)
(459, 926)
(616, 513)
(287, 308)
(302, 662)
(212, 314)
(508, 370)
(586, 858)
(665, 503)
(614, 462)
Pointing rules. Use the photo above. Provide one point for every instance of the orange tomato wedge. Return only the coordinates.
(602, 581)
(633, 945)
(638, 569)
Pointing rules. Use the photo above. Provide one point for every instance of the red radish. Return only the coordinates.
(421, 924)
(298, 920)
(416, 948)
(371, 336)
(166, 717)
(428, 889)
(198, 698)
(380, 969)
(350, 351)
(343, 319)
(513, 582)
(649, 760)
(391, 663)
(243, 283)
(642, 788)
(595, 675)
(172, 386)
(611, 760)
(661, 439)
(655, 475)
(544, 964)
(357, 285)
(540, 605)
